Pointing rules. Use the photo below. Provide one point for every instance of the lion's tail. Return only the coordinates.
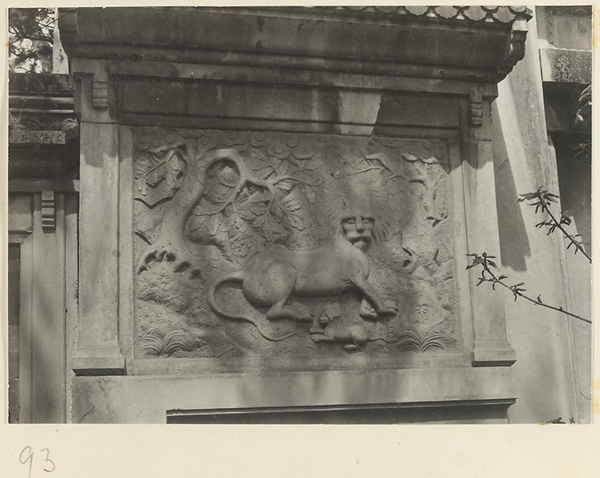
(210, 298)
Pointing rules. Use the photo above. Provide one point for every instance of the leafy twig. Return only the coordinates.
(487, 275)
(541, 201)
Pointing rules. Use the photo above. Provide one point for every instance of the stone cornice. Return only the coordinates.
(462, 43)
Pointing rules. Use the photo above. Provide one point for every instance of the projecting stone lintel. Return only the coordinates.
(486, 40)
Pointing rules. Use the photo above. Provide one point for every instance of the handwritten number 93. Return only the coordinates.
(27, 454)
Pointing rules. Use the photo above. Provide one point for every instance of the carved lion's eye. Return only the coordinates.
(348, 221)
(367, 220)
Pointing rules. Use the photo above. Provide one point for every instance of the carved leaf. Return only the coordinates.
(196, 220)
(303, 151)
(412, 341)
(213, 224)
(280, 168)
(237, 228)
(311, 197)
(291, 202)
(277, 212)
(258, 208)
(271, 230)
(291, 205)
(296, 221)
(146, 222)
(259, 221)
(246, 214)
(157, 177)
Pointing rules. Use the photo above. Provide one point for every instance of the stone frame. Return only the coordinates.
(141, 366)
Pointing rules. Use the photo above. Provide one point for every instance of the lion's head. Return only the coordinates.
(352, 215)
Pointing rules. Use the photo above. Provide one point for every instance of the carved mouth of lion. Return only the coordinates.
(360, 242)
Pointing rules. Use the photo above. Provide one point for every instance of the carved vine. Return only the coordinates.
(189, 172)
(412, 170)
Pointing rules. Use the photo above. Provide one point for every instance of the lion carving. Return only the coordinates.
(272, 277)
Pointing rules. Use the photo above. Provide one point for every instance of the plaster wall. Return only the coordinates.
(524, 161)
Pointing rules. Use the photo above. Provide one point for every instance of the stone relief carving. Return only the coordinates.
(271, 277)
(312, 244)
(564, 11)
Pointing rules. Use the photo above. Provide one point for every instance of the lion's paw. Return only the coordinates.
(388, 311)
(299, 313)
(304, 317)
(179, 262)
(367, 312)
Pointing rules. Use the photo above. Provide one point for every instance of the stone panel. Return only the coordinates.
(260, 244)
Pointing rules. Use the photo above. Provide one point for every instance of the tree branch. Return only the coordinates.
(542, 200)
(487, 275)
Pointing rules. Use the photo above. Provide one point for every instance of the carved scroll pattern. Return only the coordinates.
(207, 202)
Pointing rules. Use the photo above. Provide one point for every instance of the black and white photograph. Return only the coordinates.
(298, 215)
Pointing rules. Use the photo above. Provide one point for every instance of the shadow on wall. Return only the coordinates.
(574, 171)
(514, 241)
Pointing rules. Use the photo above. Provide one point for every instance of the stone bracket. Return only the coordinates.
(490, 353)
(476, 108)
(48, 211)
(99, 361)
(100, 94)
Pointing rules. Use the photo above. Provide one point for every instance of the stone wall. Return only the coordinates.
(281, 218)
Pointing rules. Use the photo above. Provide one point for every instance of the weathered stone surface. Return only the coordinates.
(36, 137)
(566, 66)
(20, 213)
(98, 332)
(108, 399)
(568, 27)
(43, 161)
(41, 84)
(270, 206)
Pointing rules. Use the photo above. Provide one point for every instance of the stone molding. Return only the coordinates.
(41, 109)
(43, 128)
